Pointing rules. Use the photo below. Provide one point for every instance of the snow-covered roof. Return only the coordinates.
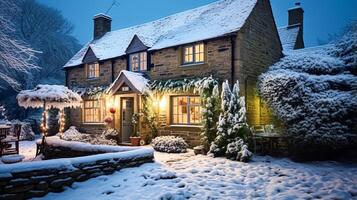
(55, 96)
(288, 37)
(136, 80)
(206, 22)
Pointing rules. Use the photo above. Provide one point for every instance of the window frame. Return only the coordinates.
(194, 53)
(188, 108)
(142, 60)
(93, 108)
(96, 70)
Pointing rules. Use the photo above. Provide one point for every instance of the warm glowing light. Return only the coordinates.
(110, 102)
(155, 103)
(62, 122)
(163, 103)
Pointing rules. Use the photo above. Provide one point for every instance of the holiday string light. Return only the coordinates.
(62, 122)
(43, 122)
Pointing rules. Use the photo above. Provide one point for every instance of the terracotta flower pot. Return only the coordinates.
(135, 141)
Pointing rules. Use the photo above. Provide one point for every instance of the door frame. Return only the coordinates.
(121, 114)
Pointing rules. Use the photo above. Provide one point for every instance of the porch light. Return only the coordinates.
(163, 103)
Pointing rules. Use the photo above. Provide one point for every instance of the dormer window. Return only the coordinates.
(138, 61)
(93, 70)
(193, 53)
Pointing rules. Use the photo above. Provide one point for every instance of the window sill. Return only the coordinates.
(186, 125)
(192, 64)
(93, 79)
(94, 123)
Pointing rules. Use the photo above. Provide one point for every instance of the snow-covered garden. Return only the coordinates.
(182, 176)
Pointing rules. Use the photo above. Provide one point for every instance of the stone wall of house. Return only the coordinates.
(257, 47)
(168, 62)
(119, 64)
(31, 182)
(77, 76)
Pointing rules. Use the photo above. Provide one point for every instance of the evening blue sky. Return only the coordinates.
(322, 17)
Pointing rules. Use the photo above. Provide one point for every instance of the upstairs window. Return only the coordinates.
(193, 53)
(92, 70)
(138, 61)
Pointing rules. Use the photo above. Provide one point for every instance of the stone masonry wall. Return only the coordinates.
(77, 76)
(33, 182)
(257, 48)
(168, 62)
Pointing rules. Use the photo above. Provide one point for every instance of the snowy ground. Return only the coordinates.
(180, 176)
(28, 150)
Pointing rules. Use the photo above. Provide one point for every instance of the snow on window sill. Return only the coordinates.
(186, 125)
(94, 123)
(192, 64)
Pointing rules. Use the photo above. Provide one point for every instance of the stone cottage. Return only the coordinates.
(228, 40)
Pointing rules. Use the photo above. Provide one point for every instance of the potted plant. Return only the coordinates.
(135, 138)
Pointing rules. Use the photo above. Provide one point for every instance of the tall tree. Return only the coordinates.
(17, 59)
(46, 29)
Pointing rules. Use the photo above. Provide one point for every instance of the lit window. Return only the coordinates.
(92, 111)
(193, 53)
(138, 61)
(93, 70)
(186, 110)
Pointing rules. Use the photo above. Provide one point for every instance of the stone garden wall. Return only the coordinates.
(36, 179)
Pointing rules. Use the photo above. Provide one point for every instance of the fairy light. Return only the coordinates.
(43, 122)
(62, 122)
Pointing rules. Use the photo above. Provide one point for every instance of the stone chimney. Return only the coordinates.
(296, 19)
(296, 15)
(102, 25)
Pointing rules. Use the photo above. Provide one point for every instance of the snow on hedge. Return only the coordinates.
(314, 91)
(169, 144)
(108, 137)
(56, 96)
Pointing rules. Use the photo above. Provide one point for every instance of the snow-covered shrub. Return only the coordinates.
(106, 138)
(26, 130)
(169, 144)
(244, 154)
(314, 92)
(71, 134)
(110, 134)
(233, 148)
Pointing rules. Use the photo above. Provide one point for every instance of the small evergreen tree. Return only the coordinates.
(210, 113)
(219, 145)
(232, 126)
(238, 111)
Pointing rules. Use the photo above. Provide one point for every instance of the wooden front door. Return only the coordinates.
(127, 110)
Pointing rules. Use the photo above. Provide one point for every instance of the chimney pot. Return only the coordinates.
(102, 25)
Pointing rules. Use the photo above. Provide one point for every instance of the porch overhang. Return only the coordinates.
(136, 82)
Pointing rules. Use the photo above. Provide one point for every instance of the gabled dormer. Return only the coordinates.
(91, 64)
(138, 59)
